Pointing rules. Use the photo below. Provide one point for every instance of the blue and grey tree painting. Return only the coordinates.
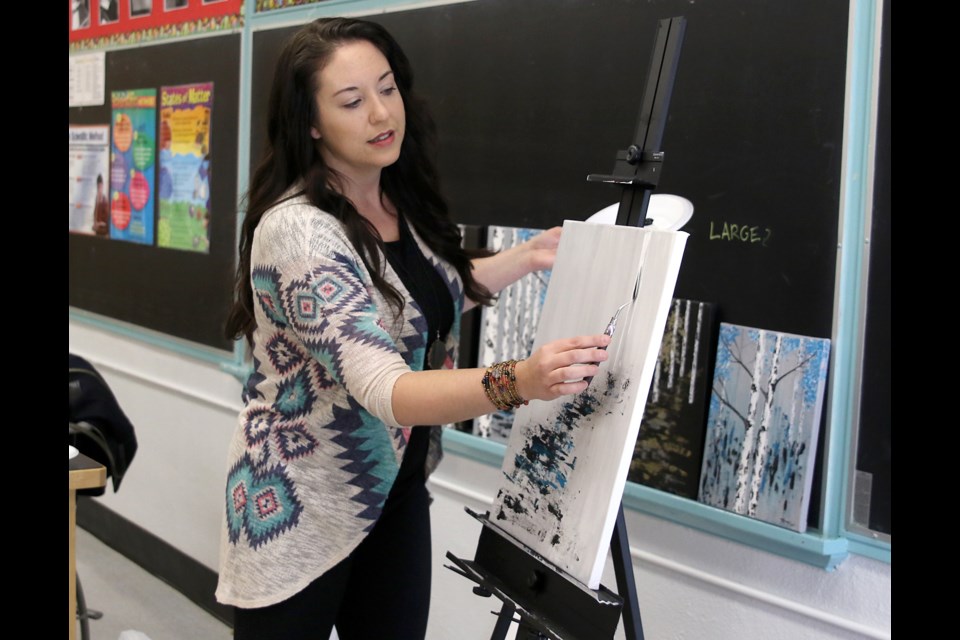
(763, 424)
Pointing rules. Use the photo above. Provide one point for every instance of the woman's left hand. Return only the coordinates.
(506, 267)
(543, 249)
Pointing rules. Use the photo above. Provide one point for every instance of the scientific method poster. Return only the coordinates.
(132, 164)
(184, 176)
(89, 164)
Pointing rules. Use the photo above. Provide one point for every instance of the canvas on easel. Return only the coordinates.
(567, 460)
(763, 425)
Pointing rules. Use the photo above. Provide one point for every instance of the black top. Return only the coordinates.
(432, 296)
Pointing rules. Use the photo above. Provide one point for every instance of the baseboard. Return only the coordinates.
(193, 579)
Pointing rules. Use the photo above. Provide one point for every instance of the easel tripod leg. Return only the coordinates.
(626, 585)
(503, 622)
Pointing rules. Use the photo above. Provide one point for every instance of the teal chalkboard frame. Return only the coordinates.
(867, 506)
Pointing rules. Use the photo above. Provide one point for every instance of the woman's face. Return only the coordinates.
(361, 115)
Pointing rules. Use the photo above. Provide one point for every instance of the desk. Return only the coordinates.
(84, 474)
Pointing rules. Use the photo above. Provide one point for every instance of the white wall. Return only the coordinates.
(691, 585)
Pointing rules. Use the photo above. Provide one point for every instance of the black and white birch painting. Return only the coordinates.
(507, 328)
(567, 460)
(763, 424)
(669, 449)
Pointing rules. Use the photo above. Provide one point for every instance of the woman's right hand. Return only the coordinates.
(558, 368)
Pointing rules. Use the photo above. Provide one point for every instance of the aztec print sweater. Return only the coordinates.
(317, 447)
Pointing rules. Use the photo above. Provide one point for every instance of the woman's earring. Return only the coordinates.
(314, 133)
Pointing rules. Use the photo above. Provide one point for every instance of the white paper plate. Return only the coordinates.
(665, 211)
(73, 451)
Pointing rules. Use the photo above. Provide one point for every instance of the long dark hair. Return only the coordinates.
(411, 183)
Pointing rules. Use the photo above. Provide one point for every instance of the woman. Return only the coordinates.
(350, 287)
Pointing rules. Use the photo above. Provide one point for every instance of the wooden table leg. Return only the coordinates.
(85, 473)
(73, 565)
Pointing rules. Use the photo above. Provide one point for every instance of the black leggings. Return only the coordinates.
(382, 590)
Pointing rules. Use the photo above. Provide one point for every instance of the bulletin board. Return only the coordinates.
(124, 20)
(185, 294)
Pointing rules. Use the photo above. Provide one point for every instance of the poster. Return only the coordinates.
(89, 179)
(132, 164)
(87, 79)
(183, 188)
(79, 14)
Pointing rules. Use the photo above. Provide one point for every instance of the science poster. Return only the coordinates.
(132, 164)
(89, 179)
(184, 176)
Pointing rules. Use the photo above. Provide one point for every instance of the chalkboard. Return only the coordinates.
(180, 293)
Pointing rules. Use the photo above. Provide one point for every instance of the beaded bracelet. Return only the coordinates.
(500, 385)
(492, 387)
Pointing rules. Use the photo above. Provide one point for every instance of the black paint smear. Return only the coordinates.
(513, 504)
(555, 510)
(547, 449)
(623, 387)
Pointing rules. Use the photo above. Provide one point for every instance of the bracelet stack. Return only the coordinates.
(500, 385)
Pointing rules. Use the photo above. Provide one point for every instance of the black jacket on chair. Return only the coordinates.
(99, 428)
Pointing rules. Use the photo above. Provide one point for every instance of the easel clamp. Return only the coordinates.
(645, 175)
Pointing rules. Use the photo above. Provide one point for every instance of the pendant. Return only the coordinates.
(436, 355)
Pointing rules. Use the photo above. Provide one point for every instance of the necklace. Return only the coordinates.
(406, 253)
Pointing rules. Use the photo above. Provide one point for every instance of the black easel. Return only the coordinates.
(550, 603)
(637, 169)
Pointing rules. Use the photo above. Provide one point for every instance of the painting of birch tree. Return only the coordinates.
(669, 449)
(763, 424)
(507, 329)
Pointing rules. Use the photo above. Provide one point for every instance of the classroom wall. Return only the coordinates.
(691, 585)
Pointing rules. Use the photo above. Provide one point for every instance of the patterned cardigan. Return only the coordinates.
(317, 447)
